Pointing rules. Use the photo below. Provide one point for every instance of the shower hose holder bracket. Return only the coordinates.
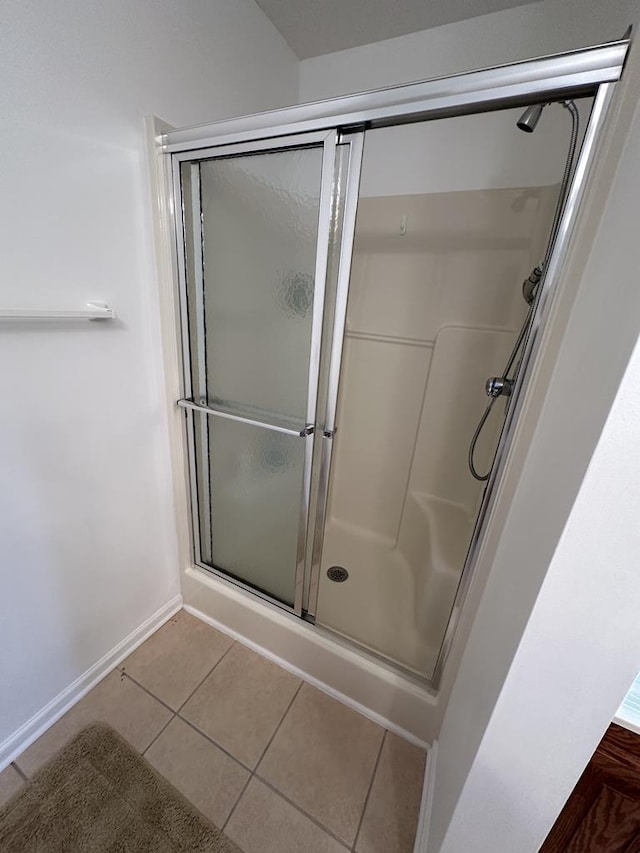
(499, 386)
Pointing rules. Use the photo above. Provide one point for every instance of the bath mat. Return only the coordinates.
(97, 795)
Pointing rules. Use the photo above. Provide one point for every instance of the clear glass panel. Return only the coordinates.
(251, 261)
(250, 483)
(453, 215)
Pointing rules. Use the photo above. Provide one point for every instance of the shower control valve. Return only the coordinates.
(498, 386)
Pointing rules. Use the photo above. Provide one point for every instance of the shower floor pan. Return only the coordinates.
(399, 593)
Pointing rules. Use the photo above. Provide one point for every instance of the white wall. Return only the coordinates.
(86, 517)
(548, 26)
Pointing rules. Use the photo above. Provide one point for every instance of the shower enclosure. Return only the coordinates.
(345, 294)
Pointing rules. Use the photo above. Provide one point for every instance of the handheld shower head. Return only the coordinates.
(530, 118)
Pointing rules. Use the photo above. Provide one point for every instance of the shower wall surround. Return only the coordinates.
(432, 313)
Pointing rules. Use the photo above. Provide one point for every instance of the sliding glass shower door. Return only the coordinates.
(253, 253)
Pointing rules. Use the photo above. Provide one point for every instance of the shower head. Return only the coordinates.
(530, 117)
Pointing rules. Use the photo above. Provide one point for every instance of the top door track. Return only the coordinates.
(574, 74)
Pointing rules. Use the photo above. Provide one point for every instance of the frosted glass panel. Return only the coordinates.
(254, 479)
(258, 246)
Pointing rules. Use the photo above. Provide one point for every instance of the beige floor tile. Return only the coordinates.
(202, 772)
(241, 703)
(10, 783)
(116, 701)
(322, 759)
(391, 816)
(265, 823)
(172, 662)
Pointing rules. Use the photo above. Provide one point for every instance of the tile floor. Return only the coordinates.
(279, 765)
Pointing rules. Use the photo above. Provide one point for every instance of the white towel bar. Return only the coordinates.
(92, 311)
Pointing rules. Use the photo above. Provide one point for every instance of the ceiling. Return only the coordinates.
(314, 27)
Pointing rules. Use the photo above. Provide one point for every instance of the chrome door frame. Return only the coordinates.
(515, 84)
(327, 140)
(591, 71)
(201, 355)
(354, 169)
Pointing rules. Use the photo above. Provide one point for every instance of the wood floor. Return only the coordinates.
(602, 815)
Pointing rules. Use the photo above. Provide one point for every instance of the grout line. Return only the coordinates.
(366, 799)
(20, 772)
(124, 674)
(170, 720)
(199, 685)
(271, 739)
(235, 805)
(215, 743)
(225, 750)
(252, 773)
(302, 811)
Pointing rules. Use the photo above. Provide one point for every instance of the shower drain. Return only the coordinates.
(337, 574)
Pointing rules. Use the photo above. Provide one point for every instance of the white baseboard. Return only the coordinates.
(17, 742)
(631, 725)
(310, 679)
(426, 803)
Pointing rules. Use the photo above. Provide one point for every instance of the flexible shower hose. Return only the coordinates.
(487, 411)
(568, 168)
